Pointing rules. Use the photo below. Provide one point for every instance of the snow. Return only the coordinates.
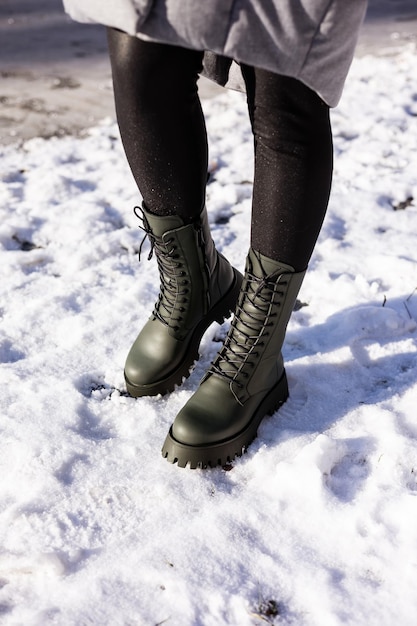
(316, 524)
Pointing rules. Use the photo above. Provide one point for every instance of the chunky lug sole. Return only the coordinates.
(224, 452)
(221, 311)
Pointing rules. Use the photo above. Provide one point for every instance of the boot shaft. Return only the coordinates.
(192, 272)
(251, 356)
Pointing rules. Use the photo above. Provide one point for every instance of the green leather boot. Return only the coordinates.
(198, 287)
(247, 380)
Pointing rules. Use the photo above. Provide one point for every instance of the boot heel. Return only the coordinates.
(278, 395)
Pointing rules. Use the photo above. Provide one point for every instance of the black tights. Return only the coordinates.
(164, 137)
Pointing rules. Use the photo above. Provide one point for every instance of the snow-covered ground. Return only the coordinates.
(316, 524)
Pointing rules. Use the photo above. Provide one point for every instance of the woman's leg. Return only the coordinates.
(293, 165)
(161, 122)
(247, 380)
(164, 137)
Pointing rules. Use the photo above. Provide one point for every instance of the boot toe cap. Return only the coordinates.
(211, 415)
(153, 355)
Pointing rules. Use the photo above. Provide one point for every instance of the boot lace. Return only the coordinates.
(250, 326)
(174, 285)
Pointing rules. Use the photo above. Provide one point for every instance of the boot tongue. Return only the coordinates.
(254, 307)
(262, 266)
(160, 224)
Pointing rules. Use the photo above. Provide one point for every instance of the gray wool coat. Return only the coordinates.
(311, 40)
